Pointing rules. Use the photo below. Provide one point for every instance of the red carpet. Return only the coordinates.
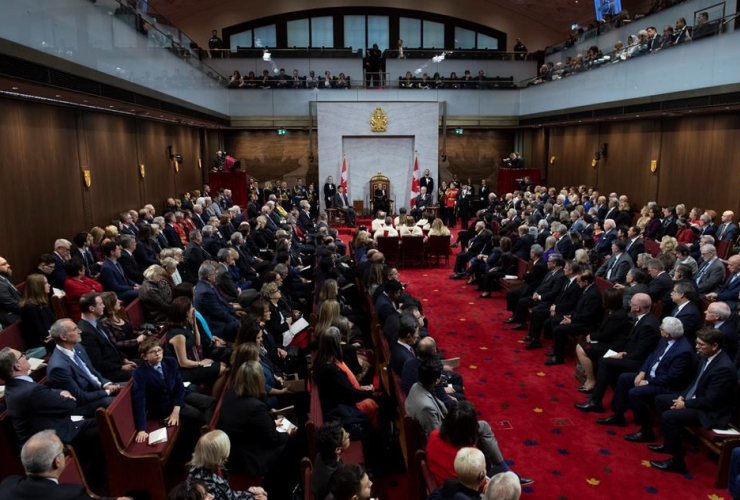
(530, 406)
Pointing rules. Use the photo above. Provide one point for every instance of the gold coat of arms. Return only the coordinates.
(379, 121)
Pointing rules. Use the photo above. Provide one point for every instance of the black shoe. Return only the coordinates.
(527, 338)
(454, 245)
(671, 465)
(590, 406)
(585, 391)
(550, 353)
(658, 448)
(533, 344)
(554, 361)
(525, 481)
(521, 326)
(615, 419)
(510, 320)
(640, 437)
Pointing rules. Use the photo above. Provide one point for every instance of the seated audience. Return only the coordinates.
(119, 327)
(467, 478)
(36, 315)
(217, 311)
(10, 312)
(350, 482)
(112, 276)
(76, 285)
(155, 294)
(331, 441)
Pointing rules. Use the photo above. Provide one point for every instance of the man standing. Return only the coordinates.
(214, 45)
(330, 189)
(427, 182)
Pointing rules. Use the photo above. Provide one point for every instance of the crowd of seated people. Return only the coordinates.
(465, 81)
(645, 41)
(282, 80)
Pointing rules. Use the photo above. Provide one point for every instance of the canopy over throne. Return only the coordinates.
(380, 194)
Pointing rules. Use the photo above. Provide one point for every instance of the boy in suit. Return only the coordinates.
(158, 393)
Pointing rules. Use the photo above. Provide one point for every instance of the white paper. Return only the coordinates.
(35, 363)
(305, 268)
(2, 391)
(726, 432)
(186, 384)
(58, 293)
(610, 353)
(158, 436)
(284, 425)
(76, 418)
(511, 277)
(297, 327)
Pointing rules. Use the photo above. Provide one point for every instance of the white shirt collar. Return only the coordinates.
(680, 308)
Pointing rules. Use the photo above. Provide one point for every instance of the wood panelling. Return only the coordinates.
(43, 150)
(700, 162)
(626, 168)
(111, 147)
(573, 148)
(476, 154)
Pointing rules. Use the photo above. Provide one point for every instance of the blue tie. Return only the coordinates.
(159, 371)
(692, 391)
(78, 361)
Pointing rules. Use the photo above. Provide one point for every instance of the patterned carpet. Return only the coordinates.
(530, 407)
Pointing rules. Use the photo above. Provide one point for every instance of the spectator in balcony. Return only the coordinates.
(341, 82)
(311, 81)
(468, 80)
(640, 45)
(520, 47)
(372, 66)
(408, 81)
(235, 80)
(249, 81)
(653, 39)
(424, 83)
(682, 33)
(399, 48)
(215, 44)
(619, 51)
(454, 82)
(266, 80)
(438, 82)
(282, 79)
(328, 81)
(297, 81)
(666, 39)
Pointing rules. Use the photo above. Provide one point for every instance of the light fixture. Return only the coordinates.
(13, 88)
(459, 131)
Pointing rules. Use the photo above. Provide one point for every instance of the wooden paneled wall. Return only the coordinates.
(43, 150)
(698, 159)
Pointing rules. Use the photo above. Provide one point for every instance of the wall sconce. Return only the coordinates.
(86, 177)
(177, 166)
(552, 160)
(653, 166)
(200, 163)
(142, 170)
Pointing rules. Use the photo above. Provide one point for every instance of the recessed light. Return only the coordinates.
(57, 95)
(638, 116)
(14, 88)
(84, 101)
(111, 106)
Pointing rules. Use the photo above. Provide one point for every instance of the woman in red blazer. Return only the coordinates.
(76, 285)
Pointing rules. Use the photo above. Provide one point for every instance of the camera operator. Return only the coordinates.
(514, 161)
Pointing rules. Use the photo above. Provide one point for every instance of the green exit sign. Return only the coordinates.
(459, 131)
(282, 131)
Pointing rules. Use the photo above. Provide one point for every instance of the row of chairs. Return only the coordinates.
(401, 250)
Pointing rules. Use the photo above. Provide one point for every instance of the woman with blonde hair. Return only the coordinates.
(644, 218)
(439, 228)
(582, 258)
(111, 233)
(155, 294)
(668, 244)
(550, 242)
(207, 466)
(327, 312)
(97, 234)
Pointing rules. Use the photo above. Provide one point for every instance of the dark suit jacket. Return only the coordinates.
(730, 336)
(195, 255)
(675, 369)
(643, 338)
(102, 351)
(225, 282)
(636, 248)
(338, 202)
(551, 286)
(669, 227)
(428, 183)
(112, 279)
(589, 309)
(422, 203)
(533, 278)
(216, 310)
(63, 374)
(729, 292)
(660, 288)
(57, 276)
(522, 246)
(729, 233)
(34, 407)
(614, 330)
(619, 268)
(34, 488)
(131, 267)
(173, 239)
(565, 247)
(153, 397)
(146, 254)
(715, 394)
(399, 356)
(604, 247)
(305, 222)
(542, 237)
(568, 298)
(385, 307)
(9, 298)
(256, 443)
(691, 319)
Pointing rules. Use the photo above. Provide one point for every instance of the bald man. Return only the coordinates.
(719, 316)
(728, 229)
(730, 290)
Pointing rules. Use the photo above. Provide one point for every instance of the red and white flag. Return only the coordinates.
(343, 179)
(415, 182)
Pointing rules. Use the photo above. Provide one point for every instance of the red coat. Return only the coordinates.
(74, 289)
(686, 235)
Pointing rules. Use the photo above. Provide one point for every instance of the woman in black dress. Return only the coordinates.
(36, 315)
(506, 266)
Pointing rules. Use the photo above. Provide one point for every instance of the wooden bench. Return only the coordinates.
(10, 462)
(521, 269)
(12, 337)
(143, 464)
(135, 313)
(426, 478)
(72, 472)
(603, 284)
(306, 473)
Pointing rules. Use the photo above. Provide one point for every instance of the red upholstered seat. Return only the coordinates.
(12, 337)
(439, 246)
(135, 313)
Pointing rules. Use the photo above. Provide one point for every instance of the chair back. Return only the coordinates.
(439, 245)
(652, 247)
(306, 472)
(135, 314)
(427, 478)
(72, 472)
(388, 246)
(12, 337)
(412, 248)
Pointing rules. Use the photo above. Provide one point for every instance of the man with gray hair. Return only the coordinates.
(719, 316)
(127, 260)
(545, 293)
(305, 222)
(711, 273)
(62, 253)
(195, 254)
(668, 369)
(218, 312)
(504, 486)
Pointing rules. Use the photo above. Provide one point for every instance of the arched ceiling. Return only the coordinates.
(537, 22)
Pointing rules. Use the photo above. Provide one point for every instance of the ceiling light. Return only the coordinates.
(57, 95)
(111, 106)
(13, 88)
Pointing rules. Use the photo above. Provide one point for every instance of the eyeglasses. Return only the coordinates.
(158, 350)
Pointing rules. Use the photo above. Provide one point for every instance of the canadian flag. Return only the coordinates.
(343, 179)
(415, 181)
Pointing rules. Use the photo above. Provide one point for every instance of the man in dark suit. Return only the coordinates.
(635, 245)
(36, 407)
(71, 369)
(330, 189)
(158, 393)
(685, 310)
(643, 337)
(82, 251)
(464, 200)
(423, 201)
(604, 246)
(403, 350)
(427, 182)
(253, 207)
(586, 317)
(523, 243)
(475, 247)
(195, 254)
(719, 316)
(43, 459)
(564, 244)
(341, 203)
(217, 311)
(112, 276)
(615, 268)
(9, 296)
(711, 273)
(708, 401)
(305, 222)
(661, 284)
(127, 225)
(668, 369)
(532, 279)
(729, 292)
(727, 231)
(385, 304)
(565, 302)
(199, 219)
(380, 200)
(427, 349)
(99, 343)
(545, 293)
(128, 261)
(173, 239)
(62, 252)
(669, 225)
